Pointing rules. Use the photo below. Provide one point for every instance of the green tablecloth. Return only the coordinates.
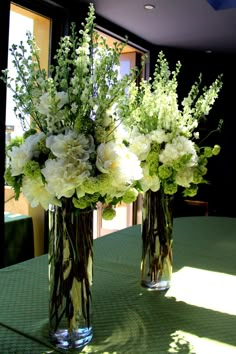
(18, 238)
(126, 317)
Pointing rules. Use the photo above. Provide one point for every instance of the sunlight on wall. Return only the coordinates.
(203, 288)
(184, 342)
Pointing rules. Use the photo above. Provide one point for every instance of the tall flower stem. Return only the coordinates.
(70, 274)
(157, 232)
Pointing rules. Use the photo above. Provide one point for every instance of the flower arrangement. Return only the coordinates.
(69, 149)
(164, 134)
(69, 159)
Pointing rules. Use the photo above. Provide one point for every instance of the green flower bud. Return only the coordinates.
(203, 160)
(216, 150)
(207, 152)
(108, 213)
(203, 170)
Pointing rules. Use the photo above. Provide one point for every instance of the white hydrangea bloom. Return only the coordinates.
(159, 136)
(62, 177)
(178, 147)
(140, 145)
(119, 162)
(71, 145)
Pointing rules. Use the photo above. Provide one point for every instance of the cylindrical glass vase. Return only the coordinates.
(157, 242)
(70, 257)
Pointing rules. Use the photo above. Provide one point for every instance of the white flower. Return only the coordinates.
(46, 100)
(121, 133)
(159, 135)
(63, 177)
(20, 155)
(177, 148)
(148, 181)
(184, 177)
(196, 135)
(118, 161)
(74, 107)
(140, 145)
(71, 145)
(34, 190)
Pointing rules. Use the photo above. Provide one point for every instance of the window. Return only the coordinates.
(21, 21)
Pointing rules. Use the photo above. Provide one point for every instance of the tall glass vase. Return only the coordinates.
(70, 275)
(157, 233)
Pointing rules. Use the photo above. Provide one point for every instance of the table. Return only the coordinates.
(18, 238)
(126, 317)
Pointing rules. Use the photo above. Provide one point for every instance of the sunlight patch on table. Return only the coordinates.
(184, 342)
(203, 288)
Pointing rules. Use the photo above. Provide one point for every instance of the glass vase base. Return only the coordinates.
(160, 285)
(64, 340)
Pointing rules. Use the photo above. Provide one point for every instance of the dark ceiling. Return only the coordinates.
(186, 24)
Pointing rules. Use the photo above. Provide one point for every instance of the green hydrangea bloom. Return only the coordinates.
(130, 196)
(203, 170)
(197, 176)
(203, 160)
(152, 161)
(81, 203)
(170, 188)
(32, 169)
(164, 171)
(108, 213)
(92, 198)
(191, 191)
